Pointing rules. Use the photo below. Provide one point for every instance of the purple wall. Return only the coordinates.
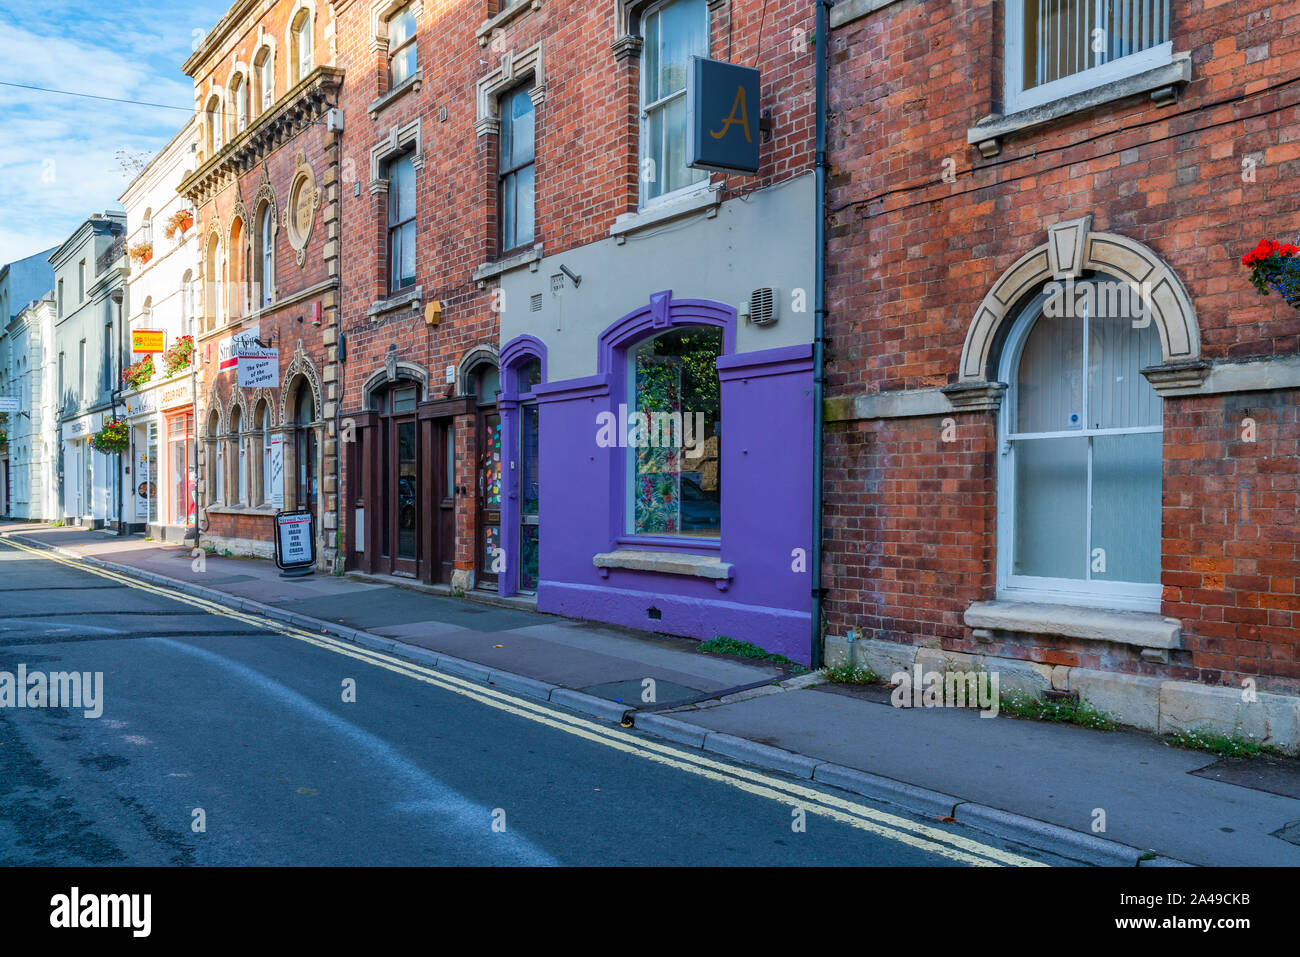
(766, 462)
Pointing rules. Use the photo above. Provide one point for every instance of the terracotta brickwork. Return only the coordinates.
(922, 225)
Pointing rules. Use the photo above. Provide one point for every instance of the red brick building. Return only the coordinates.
(499, 210)
(1019, 469)
(265, 194)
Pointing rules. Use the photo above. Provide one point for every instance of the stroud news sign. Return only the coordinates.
(722, 116)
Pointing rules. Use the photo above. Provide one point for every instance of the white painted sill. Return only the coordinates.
(1161, 82)
(707, 198)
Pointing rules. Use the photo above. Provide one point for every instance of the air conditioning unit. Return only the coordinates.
(763, 306)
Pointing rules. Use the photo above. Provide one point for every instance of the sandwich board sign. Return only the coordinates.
(295, 542)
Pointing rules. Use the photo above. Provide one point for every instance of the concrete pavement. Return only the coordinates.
(1180, 805)
(227, 739)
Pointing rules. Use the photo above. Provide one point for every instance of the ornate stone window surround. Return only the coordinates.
(513, 68)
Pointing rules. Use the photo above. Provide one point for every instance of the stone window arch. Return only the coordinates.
(1073, 252)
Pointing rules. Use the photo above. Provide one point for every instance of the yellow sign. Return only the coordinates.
(147, 340)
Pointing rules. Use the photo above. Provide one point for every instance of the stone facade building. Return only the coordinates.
(265, 196)
(1062, 434)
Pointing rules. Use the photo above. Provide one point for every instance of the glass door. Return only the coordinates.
(528, 498)
(491, 557)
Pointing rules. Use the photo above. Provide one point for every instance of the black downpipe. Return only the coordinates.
(819, 310)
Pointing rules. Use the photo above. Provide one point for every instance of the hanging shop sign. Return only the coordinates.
(722, 117)
(148, 340)
(259, 368)
(295, 540)
(229, 350)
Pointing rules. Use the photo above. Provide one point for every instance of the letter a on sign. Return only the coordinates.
(722, 119)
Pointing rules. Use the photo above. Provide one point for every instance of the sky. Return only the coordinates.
(62, 157)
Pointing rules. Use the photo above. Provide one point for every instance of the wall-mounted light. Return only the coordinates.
(577, 280)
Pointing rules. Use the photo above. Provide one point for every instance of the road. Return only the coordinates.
(226, 739)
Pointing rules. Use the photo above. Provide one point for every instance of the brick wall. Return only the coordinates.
(910, 521)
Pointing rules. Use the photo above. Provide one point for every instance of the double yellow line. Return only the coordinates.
(921, 836)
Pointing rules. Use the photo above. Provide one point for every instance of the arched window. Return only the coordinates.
(216, 461)
(266, 255)
(264, 78)
(239, 105)
(214, 283)
(238, 458)
(304, 448)
(301, 42)
(238, 269)
(264, 423)
(1079, 481)
(674, 484)
(212, 124)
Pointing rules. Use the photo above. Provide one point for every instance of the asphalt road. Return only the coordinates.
(217, 719)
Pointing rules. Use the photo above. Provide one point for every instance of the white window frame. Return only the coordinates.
(1119, 596)
(644, 108)
(1018, 99)
(302, 45)
(265, 426)
(264, 70)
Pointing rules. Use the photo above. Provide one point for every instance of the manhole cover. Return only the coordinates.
(629, 692)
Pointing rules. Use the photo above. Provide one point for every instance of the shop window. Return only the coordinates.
(673, 33)
(1080, 475)
(181, 468)
(674, 483)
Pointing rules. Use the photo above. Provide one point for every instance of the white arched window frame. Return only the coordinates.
(265, 426)
(238, 105)
(266, 251)
(1079, 506)
(302, 44)
(264, 76)
(239, 439)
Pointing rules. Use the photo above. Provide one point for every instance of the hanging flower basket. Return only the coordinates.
(113, 438)
(179, 356)
(1275, 266)
(138, 373)
(178, 222)
(140, 252)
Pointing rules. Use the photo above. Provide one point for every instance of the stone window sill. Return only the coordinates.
(412, 82)
(484, 32)
(1161, 82)
(489, 270)
(709, 198)
(667, 563)
(408, 299)
(222, 509)
(1156, 635)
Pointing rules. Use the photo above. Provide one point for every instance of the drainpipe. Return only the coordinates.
(819, 311)
(115, 396)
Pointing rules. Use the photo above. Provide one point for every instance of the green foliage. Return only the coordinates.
(1020, 705)
(1233, 745)
(722, 645)
(850, 674)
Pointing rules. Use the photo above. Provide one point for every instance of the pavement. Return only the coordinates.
(1120, 798)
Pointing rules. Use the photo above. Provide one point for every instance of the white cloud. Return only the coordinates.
(58, 154)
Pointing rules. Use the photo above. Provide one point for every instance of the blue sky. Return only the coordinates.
(58, 154)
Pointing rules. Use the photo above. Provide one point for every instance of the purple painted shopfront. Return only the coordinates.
(672, 490)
